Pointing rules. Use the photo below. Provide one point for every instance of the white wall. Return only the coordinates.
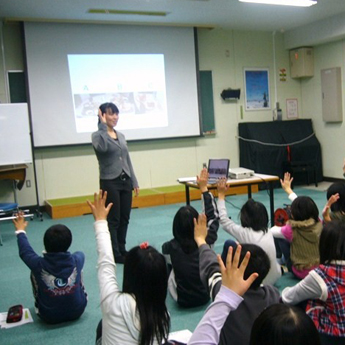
(330, 135)
(73, 171)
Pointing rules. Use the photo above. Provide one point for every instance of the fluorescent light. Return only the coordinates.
(300, 3)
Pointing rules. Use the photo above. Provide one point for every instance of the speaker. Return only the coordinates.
(231, 94)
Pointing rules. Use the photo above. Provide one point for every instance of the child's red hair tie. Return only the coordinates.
(144, 245)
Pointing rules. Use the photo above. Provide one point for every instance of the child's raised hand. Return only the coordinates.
(99, 211)
(232, 274)
(333, 199)
(222, 187)
(19, 222)
(325, 212)
(286, 183)
(202, 180)
(200, 230)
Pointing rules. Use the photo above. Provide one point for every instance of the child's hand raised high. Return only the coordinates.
(222, 187)
(325, 212)
(232, 274)
(286, 183)
(19, 222)
(99, 211)
(200, 230)
(202, 180)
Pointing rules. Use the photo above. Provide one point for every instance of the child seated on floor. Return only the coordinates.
(299, 238)
(253, 229)
(57, 276)
(277, 325)
(257, 298)
(324, 287)
(182, 253)
(137, 315)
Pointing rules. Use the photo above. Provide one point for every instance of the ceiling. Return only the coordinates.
(229, 14)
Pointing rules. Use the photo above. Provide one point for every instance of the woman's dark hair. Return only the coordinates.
(145, 276)
(332, 242)
(183, 228)
(57, 239)
(303, 208)
(254, 215)
(334, 188)
(259, 261)
(281, 324)
(108, 106)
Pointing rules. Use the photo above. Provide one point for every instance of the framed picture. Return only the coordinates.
(257, 94)
(292, 108)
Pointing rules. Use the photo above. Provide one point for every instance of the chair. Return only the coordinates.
(304, 167)
(8, 211)
(298, 167)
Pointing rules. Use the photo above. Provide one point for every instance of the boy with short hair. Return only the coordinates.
(57, 276)
(255, 300)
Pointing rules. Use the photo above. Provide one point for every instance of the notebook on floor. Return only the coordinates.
(218, 168)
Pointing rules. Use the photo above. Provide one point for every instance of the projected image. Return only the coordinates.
(135, 83)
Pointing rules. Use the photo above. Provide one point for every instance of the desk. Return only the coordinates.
(256, 179)
(14, 172)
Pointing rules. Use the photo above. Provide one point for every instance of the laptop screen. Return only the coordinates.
(218, 168)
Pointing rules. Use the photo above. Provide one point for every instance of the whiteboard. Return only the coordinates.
(15, 141)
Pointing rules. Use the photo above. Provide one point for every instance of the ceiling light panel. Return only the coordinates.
(300, 3)
(138, 13)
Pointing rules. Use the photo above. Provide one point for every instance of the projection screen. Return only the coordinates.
(150, 73)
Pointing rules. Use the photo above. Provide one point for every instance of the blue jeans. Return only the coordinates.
(226, 246)
(283, 246)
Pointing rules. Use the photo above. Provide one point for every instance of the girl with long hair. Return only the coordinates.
(137, 314)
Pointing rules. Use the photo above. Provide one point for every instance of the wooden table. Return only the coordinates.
(256, 179)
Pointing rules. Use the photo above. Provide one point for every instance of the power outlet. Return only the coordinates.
(28, 183)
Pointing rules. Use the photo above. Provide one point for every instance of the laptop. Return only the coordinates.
(218, 168)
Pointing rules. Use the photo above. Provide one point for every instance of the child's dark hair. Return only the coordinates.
(332, 242)
(334, 188)
(57, 239)
(303, 208)
(183, 228)
(145, 276)
(281, 324)
(259, 262)
(254, 215)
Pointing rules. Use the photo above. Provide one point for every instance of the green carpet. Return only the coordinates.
(147, 224)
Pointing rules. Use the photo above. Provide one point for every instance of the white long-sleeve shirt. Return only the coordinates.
(262, 239)
(120, 321)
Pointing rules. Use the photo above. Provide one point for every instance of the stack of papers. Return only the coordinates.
(186, 179)
(27, 318)
(182, 337)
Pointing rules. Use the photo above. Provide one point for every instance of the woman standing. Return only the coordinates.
(116, 175)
